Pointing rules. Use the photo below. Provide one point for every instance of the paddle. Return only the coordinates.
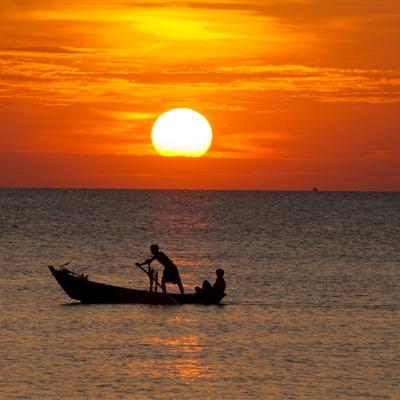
(157, 283)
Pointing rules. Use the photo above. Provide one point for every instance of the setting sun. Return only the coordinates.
(181, 132)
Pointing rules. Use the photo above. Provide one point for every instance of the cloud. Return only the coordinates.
(321, 84)
(42, 49)
(325, 84)
(250, 144)
(384, 155)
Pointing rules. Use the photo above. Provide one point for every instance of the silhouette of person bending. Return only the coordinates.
(170, 273)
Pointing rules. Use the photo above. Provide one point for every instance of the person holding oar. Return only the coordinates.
(170, 273)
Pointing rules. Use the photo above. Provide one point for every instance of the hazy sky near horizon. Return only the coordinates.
(300, 93)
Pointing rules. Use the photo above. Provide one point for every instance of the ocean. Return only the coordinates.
(312, 307)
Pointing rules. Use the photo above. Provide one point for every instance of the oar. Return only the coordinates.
(157, 283)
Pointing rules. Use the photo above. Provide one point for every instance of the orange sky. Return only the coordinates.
(299, 93)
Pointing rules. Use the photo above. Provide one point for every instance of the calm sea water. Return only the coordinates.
(312, 310)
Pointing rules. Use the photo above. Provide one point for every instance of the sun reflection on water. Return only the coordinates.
(180, 320)
(179, 345)
(181, 357)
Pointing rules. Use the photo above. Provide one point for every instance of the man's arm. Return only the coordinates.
(148, 261)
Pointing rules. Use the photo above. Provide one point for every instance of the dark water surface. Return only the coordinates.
(312, 310)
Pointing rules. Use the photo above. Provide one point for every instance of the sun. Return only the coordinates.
(181, 132)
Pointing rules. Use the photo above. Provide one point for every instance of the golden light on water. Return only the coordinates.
(185, 360)
(181, 132)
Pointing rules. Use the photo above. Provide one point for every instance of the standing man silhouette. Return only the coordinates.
(170, 273)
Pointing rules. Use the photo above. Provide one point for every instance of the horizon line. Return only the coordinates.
(312, 190)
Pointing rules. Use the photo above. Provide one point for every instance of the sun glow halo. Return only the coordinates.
(181, 132)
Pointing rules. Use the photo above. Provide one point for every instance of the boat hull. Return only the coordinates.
(88, 292)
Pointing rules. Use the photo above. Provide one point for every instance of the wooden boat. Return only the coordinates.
(79, 287)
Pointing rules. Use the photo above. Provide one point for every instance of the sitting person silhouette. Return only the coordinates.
(170, 273)
(217, 289)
